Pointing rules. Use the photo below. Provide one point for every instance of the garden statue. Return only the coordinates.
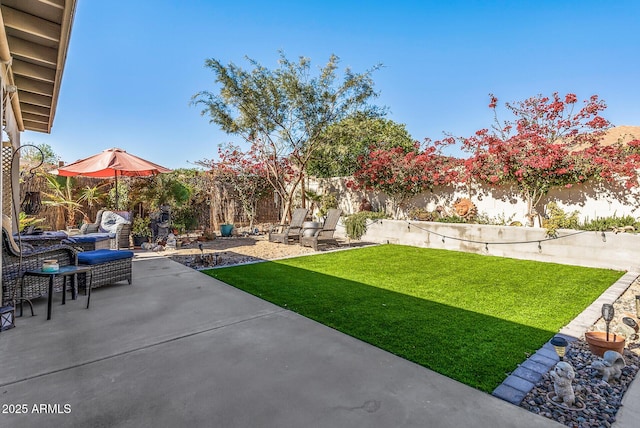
(171, 241)
(610, 365)
(562, 376)
(465, 208)
(365, 205)
(160, 221)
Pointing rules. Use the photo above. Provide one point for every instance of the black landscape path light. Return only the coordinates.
(607, 315)
(560, 345)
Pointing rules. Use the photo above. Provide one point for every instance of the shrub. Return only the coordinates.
(609, 223)
(452, 218)
(422, 214)
(356, 224)
(141, 227)
(327, 201)
(499, 220)
(558, 219)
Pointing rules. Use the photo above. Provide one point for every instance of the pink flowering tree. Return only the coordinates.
(245, 172)
(550, 142)
(402, 174)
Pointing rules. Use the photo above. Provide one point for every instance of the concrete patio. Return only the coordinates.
(180, 348)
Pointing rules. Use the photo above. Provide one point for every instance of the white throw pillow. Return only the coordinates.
(110, 221)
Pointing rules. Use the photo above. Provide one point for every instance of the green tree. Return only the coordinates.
(174, 188)
(352, 137)
(284, 112)
(33, 154)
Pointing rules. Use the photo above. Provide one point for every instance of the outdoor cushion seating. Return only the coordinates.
(291, 231)
(90, 242)
(109, 266)
(16, 260)
(323, 234)
(116, 223)
(42, 239)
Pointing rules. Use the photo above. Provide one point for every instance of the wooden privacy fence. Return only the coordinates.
(54, 217)
(225, 207)
(208, 214)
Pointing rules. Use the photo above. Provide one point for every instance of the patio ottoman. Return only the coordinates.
(90, 242)
(108, 266)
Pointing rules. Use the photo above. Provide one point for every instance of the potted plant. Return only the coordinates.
(226, 229)
(140, 230)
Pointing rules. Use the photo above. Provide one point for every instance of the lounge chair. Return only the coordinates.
(116, 223)
(291, 231)
(312, 236)
(17, 259)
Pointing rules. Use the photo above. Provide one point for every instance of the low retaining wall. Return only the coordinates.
(581, 248)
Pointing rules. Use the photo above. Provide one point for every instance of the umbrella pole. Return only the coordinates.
(116, 175)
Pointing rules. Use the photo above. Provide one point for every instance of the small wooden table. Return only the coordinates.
(64, 272)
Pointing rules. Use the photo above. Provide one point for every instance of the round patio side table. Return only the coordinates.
(309, 228)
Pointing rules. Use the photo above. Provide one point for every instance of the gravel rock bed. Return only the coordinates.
(602, 400)
(232, 251)
(206, 261)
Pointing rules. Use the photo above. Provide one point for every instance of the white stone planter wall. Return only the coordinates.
(591, 249)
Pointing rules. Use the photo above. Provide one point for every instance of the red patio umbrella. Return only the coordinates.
(112, 162)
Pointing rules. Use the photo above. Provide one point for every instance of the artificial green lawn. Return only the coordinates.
(471, 317)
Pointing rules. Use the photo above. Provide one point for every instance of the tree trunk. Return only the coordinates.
(286, 208)
(213, 212)
(302, 193)
(61, 222)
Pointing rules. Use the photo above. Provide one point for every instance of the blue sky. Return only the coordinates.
(131, 70)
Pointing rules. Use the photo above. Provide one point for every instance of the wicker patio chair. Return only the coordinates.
(291, 231)
(323, 234)
(18, 259)
(122, 230)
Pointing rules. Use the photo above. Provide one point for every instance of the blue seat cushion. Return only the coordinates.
(97, 257)
(83, 239)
